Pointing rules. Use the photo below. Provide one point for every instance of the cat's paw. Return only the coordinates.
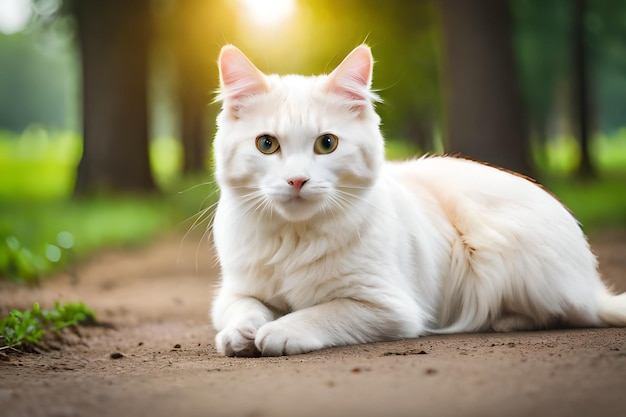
(277, 338)
(237, 341)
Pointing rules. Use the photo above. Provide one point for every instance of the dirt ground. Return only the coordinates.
(157, 299)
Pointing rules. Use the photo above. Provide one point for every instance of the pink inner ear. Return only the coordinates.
(239, 77)
(352, 78)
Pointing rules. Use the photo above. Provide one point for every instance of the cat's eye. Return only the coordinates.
(267, 144)
(325, 144)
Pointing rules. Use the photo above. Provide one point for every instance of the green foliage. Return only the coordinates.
(38, 164)
(43, 230)
(543, 42)
(561, 156)
(27, 263)
(38, 238)
(39, 78)
(24, 328)
(66, 315)
(596, 204)
(399, 150)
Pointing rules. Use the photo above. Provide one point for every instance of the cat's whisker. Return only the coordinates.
(262, 208)
(206, 235)
(201, 217)
(252, 201)
(271, 212)
(205, 215)
(268, 206)
(193, 187)
(211, 194)
(326, 208)
(354, 187)
(255, 194)
(339, 206)
(351, 198)
(339, 202)
(256, 202)
(347, 196)
(203, 211)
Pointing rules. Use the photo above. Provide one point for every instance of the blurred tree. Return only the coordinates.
(485, 115)
(541, 38)
(37, 80)
(114, 38)
(582, 86)
(571, 55)
(408, 73)
(196, 76)
(605, 26)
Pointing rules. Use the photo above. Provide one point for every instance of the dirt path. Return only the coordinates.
(170, 368)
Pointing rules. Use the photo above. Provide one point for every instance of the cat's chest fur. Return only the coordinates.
(288, 266)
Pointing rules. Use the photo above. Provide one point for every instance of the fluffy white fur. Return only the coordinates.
(368, 250)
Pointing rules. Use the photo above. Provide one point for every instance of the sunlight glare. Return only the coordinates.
(14, 15)
(267, 12)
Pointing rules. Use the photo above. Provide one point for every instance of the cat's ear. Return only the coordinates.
(239, 78)
(353, 77)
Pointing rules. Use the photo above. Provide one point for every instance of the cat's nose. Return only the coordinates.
(297, 183)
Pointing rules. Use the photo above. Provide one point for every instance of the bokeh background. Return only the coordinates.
(106, 113)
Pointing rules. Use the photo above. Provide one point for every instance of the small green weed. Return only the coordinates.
(26, 328)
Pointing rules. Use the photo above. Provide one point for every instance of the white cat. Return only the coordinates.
(323, 243)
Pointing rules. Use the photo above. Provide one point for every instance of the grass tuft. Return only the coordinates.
(27, 328)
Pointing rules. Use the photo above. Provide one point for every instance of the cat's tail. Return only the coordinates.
(612, 310)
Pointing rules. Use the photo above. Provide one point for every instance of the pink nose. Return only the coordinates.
(297, 183)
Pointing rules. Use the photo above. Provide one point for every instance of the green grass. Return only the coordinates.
(38, 165)
(34, 234)
(27, 328)
(42, 229)
(597, 204)
(561, 155)
(399, 150)
(41, 165)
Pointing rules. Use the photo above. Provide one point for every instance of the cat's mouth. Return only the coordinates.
(296, 200)
(296, 197)
(297, 207)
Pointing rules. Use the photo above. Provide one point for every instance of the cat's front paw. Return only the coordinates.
(237, 341)
(277, 339)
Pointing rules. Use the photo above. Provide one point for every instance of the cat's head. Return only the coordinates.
(296, 146)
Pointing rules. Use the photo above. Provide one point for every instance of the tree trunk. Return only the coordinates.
(196, 78)
(418, 130)
(581, 89)
(114, 37)
(485, 116)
